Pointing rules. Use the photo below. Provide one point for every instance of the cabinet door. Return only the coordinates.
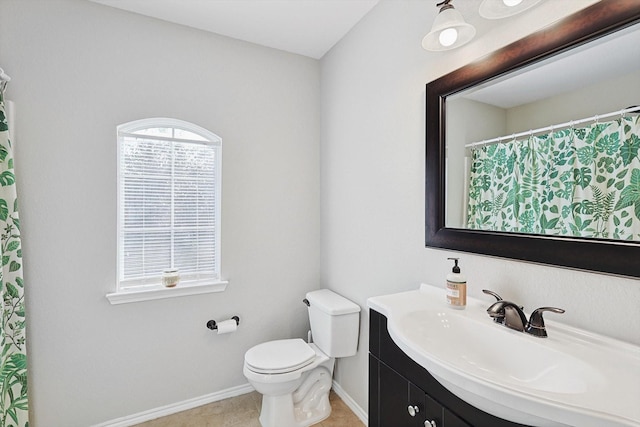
(397, 395)
(430, 410)
(451, 420)
(432, 414)
(394, 400)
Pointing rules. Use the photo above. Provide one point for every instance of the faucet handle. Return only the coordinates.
(496, 296)
(536, 321)
(497, 319)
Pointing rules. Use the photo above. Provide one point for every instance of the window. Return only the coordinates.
(168, 204)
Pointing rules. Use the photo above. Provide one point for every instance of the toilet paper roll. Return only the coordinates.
(227, 326)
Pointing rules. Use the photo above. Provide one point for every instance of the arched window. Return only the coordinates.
(168, 203)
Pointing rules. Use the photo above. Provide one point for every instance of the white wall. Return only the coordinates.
(488, 120)
(372, 182)
(79, 69)
(600, 98)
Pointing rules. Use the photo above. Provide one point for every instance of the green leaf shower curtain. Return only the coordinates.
(575, 182)
(13, 356)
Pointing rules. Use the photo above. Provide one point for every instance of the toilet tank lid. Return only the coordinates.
(331, 303)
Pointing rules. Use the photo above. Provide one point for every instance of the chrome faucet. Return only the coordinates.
(512, 316)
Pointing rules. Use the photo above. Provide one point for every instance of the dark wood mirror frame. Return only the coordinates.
(607, 256)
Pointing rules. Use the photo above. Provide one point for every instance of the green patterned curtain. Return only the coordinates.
(575, 182)
(13, 359)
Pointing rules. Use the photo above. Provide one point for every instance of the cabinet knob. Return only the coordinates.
(413, 410)
(430, 424)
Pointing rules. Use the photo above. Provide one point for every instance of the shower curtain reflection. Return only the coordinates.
(581, 182)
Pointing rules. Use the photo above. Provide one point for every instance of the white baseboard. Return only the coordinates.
(360, 413)
(174, 408)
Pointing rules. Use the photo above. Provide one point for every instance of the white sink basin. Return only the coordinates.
(571, 378)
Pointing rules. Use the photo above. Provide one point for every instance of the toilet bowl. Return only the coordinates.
(294, 386)
(295, 377)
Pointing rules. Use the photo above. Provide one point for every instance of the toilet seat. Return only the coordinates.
(279, 357)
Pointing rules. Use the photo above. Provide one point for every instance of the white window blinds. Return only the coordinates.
(169, 197)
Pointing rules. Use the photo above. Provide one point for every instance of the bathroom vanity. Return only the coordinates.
(404, 394)
(432, 366)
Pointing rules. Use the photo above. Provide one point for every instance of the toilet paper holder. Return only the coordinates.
(211, 324)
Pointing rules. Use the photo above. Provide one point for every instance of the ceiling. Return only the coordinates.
(305, 27)
(309, 27)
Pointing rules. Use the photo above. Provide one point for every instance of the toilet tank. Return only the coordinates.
(335, 323)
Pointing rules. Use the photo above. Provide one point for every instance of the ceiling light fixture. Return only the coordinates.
(497, 9)
(449, 29)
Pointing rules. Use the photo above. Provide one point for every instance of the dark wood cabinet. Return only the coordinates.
(404, 394)
(407, 405)
(393, 408)
(404, 404)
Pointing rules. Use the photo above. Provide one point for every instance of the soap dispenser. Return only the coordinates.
(456, 287)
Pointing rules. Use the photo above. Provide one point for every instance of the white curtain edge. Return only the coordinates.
(9, 108)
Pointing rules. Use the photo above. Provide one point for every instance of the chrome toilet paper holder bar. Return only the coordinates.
(211, 324)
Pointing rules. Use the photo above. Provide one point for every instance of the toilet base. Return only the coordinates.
(281, 417)
(308, 405)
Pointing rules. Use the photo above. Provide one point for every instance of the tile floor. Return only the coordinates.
(243, 411)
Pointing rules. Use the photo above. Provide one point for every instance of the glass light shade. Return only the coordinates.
(447, 20)
(497, 9)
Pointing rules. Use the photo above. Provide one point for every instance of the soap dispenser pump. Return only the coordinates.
(456, 287)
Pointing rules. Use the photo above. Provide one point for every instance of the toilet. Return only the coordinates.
(293, 376)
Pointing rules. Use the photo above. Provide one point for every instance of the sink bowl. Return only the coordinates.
(571, 378)
(484, 351)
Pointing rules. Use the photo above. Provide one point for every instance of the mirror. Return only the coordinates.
(469, 120)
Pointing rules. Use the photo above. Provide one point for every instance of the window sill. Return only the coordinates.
(160, 292)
